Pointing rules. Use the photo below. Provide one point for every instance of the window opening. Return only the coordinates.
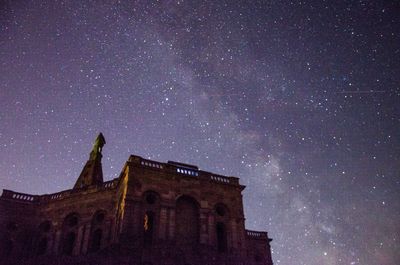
(148, 227)
(72, 221)
(100, 218)
(220, 210)
(150, 198)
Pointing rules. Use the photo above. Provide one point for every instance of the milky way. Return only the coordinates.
(298, 99)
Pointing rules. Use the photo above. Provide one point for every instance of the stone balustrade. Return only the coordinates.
(17, 196)
(109, 184)
(149, 163)
(257, 234)
(189, 170)
(220, 179)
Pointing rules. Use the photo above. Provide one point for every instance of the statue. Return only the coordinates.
(98, 146)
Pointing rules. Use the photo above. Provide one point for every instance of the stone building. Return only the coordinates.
(153, 213)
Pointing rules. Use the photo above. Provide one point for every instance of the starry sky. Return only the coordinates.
(300, 99)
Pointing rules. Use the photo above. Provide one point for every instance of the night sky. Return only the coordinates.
(301, 100)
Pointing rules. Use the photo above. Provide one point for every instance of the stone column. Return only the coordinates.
(78, 241)
(163, 223)
(241, 236)
(86, 238)
(50, 243)
(204, 236)
(234, 234)
(171, 222)
(211, 230)
(110, 232)
(137, 219)
(56, 245)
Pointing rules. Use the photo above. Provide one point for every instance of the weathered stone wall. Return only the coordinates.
(84, 204)
(36, 225)
(258, 248)
(17, 218)
(154, 213)
(218, 201)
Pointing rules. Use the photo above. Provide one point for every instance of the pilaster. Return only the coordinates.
(86, 237)
(78, 242)
(171, 222)
(163, 223)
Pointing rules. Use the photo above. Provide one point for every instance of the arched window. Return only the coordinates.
(96, 240)
(187, 220)
(151, 211)
(221, 226)
(70, 230)
(97, 227)
(151, 199)
(41, 240)
(148, 228)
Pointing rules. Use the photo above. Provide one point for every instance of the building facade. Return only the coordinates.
(153, 213)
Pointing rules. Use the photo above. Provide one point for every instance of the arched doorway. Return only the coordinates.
(187, 221)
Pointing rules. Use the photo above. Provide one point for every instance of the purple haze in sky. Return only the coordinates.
(301, 100)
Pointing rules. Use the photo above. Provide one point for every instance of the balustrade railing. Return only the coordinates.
(192, 171)
(19, 196)
(257, 234)
(220, 179)
(184, 169)
(8, 194)
(149, 163)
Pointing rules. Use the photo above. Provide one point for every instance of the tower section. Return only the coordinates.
(92, 172)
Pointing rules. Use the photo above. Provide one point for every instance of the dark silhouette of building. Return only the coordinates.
(153, 213)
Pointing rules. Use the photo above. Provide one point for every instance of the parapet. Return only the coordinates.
(37, 199)
(185, 170)
(258, 235)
